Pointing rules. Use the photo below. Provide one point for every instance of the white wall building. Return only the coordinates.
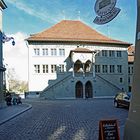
(72, 60)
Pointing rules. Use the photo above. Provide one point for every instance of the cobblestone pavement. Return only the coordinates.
(62, 120)
(9, 112)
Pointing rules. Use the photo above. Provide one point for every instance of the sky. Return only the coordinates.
(22, 18)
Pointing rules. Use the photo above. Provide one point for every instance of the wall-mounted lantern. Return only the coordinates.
(7, 39)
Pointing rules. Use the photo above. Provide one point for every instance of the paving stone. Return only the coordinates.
(62, 120)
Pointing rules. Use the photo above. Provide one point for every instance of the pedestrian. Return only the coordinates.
(19, 100)
(8, 100)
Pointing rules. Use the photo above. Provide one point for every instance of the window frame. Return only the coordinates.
(104, 68)
(36, 51)
(53, 52)
(45, 52)
(53, 68)
(45, 68)
(36, 68)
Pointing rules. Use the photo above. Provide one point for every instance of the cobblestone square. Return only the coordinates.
(62, 120)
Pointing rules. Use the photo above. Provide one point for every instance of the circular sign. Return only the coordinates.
(103, 7)
(107, 18)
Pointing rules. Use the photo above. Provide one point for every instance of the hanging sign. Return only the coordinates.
(106, 11)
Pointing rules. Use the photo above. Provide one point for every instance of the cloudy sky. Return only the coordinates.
(25, 17)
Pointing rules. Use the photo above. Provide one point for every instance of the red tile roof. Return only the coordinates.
(68, 30)
(82, 50)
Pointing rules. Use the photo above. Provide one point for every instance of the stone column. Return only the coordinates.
(73, 70)
(93, 65)
(84, 93)
(132, 127)
(83, 69)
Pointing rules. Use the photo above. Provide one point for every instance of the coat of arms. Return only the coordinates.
(106, 11)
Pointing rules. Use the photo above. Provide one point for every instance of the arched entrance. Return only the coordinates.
(88, 90)
(79, 90)
(87, 67)
(78, 67)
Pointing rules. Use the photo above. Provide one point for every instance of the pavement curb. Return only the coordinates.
(15, 115)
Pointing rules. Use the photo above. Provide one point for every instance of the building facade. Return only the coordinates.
(2, 68)
(71, 60)
(131, 52)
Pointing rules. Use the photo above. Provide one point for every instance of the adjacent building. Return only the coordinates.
(2, 69)
(131, 52)
(71, 60)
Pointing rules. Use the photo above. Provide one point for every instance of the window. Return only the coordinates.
(53, 68)
(53, 52)
(104, 52)
(119, 68)
(119, 54)
(104, 68)
(61, 68)
(130, 88)
(111, 53)
(129, 70)
(129, 80)
(97, 68)
(44, 51)
(121, 80)
(37, 68)
(61, 52)
(45, 68)
(132, 69)
(112, 68)
(36, 51)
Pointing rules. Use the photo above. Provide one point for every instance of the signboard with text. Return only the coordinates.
(108, 130)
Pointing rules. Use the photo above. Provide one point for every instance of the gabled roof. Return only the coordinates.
(68, 30)
(82, 50)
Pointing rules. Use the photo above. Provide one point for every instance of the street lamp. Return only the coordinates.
(7, 39)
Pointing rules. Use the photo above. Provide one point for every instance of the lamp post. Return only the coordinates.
(132, 127)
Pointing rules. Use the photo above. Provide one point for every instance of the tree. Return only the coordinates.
(13, 82)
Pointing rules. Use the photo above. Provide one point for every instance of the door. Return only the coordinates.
(88, 90)
(79, 90)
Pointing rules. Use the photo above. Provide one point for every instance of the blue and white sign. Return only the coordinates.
(106, 11)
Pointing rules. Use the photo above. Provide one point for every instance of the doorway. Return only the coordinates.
(79, 90)
(88, 90)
